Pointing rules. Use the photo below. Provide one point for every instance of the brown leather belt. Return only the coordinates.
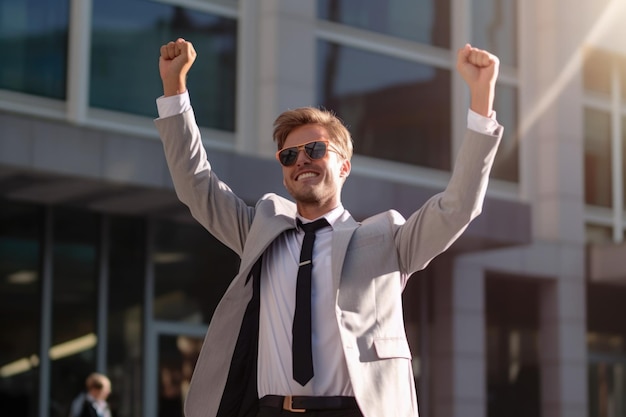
(301, 404)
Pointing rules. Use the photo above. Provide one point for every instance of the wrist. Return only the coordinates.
(174, 87)
(482, 103)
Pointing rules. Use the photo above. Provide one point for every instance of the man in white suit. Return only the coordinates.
(357, 359)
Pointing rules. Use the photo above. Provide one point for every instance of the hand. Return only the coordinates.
(479, 69)
(174, 63)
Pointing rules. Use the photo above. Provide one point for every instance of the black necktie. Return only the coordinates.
(301, 343)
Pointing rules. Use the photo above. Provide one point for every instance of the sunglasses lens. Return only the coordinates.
(288, 156)
(315, 150)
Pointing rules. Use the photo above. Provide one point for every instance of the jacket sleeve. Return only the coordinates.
(211, 202)
(443, 218)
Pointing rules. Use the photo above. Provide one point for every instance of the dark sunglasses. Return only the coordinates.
(315, 150)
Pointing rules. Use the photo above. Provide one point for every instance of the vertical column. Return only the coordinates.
(78, 60)
(247, 71)
(551, 135)
(551, 124)
(552, 172)
(281, 77)
(468, 343)
(461, 29)
(459, 374)
(562, 344)
(46, 313)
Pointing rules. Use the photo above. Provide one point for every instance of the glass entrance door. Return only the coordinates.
(607, 385)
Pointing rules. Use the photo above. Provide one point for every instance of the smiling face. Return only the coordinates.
(315, 184)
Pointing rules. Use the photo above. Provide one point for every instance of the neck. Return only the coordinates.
(311, 212)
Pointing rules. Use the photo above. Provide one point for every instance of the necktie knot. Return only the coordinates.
(313, 226)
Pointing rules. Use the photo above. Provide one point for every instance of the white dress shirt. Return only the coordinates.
(278, 303)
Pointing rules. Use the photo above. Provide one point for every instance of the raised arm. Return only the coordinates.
(211, 202)
(443, 218)
(479, 69)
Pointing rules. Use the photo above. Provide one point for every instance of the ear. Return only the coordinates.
(345, 169)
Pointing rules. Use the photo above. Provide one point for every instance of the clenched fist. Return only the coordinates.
(174, 63)
(479, 69)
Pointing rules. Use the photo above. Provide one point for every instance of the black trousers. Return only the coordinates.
(277, 412)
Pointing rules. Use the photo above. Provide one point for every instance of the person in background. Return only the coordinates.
(317, 330)
(93, 401)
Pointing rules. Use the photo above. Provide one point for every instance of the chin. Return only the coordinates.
(307, 198)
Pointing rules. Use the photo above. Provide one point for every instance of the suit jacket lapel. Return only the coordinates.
(273, 219)
(274, 215)
(343, 229)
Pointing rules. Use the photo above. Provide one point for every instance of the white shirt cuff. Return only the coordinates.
(482, 124)
(173, 105)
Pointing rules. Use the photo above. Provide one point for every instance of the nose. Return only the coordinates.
(302, 157)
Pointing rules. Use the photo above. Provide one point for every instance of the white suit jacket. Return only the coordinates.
(370, 261)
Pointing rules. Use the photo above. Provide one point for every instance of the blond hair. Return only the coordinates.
(97, 381)
(338, 134)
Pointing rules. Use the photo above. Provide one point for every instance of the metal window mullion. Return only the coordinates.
(616, 157)
(46, 313)
(222, 8)
(103, 296)
(383, 44)
(150, 340)
(78, 62)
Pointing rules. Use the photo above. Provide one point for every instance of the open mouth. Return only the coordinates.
(306, 175)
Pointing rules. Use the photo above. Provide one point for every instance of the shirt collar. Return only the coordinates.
(331, 217)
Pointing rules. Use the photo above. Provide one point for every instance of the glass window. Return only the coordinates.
(177, 359)
(494, 28)
(127, 35)
(34, 33)
(74, 300)
(506, 164)
(420, 21)
(513, 375)
(606, 330)
(607, 387)
(598, 68)
(598, 234)
(606, 344)
(20, 300)
(125, 314)
(395, 109)
(597, 71)
(192, 271)
(598, 179)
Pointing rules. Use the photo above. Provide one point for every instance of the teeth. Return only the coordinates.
(306, 175)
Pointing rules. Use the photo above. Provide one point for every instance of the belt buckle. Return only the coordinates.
(288, 405)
